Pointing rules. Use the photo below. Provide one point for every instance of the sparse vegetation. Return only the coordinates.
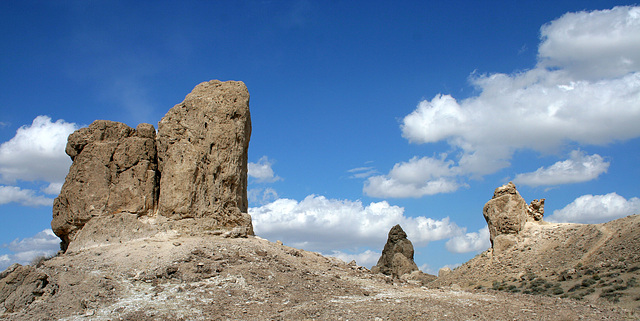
(40, 259)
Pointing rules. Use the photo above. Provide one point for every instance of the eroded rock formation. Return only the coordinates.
(114, 170)
(397, 255)
(202, 151)
(20, 285)
(506, 214)
(536, 209)
(124, 183)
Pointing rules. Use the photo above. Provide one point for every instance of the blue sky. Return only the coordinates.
(365, 114)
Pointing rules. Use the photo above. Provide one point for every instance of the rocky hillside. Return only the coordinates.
(586, 262)
(181, 277)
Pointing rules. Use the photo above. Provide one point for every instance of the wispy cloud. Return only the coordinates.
(26, 197)
(362, 172)
(262, 171)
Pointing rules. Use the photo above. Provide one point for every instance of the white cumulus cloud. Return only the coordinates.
(415, 178)
(593, 209)
(469, 242)
(27, 197)
(584, 89)
(321, 224)
(44, 243)
(367, 258)
(262, 171)
(36, 152)
(593, 44)
(577, 169)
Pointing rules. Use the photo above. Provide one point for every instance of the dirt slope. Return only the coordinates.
(173, 277)
(590, 262)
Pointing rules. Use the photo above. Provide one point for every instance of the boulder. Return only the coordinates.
(506, 212)
(418, 277)
(444, 271)
(397, 255)
(202, 153)
(114, 170)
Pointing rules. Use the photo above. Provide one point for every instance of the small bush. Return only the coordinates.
(538, 282)
(575, 287)
(620, 287)
(611, 296)
(39, 260)
(588, 282)
(576, 297)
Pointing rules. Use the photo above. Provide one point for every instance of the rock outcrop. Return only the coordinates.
(506, 213)
(397, 255)
(536, 209)
(125, 184)
(202, 152)
(21, 285)
(114, 170)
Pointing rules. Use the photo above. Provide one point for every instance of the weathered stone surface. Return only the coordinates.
(116, 227)
(506, 212)
(114, 170)
(21, 286)
(127, 183)
(444, 271)
(536, 210)
(418, 277)
(202, 151)
(397, 255)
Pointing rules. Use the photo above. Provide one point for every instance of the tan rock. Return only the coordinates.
(21, 286)
(397, 255)
(536, 210)
(506, 212)
(194, 174)
(418, 277)
(444, 271)
(202, 151)
(114, 170)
